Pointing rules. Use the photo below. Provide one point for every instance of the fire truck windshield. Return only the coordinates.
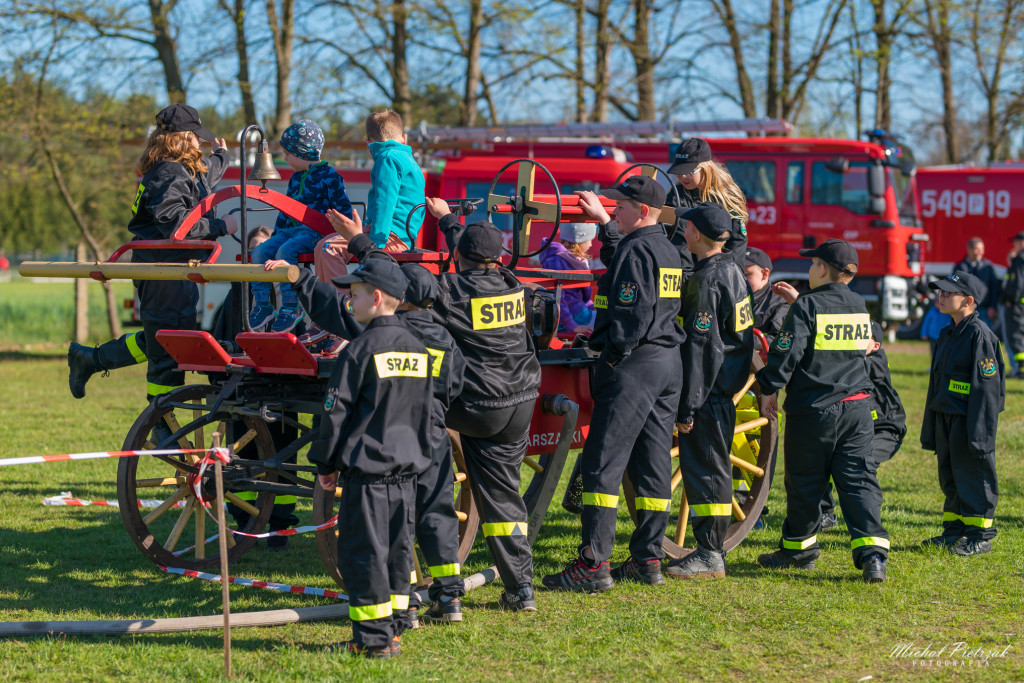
(849, 190)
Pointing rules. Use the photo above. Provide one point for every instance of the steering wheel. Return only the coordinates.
(521, 205)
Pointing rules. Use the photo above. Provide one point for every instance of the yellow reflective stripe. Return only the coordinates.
(498, 311)
(399, 602)
(138, 198)
(400, 364)
(656, 504)
(158, 389)
(959, 387)
(605, 500)
(437, 358)
(711, 510)
(600, 301)
(133, 347)
(870, 540)
(799, 545)
(367, 612)
(504, 528)
(983, 522)
(247, 495)
(285, 500)
(1019, 356)
(681, 320)
(412, 576)
(442, 570)
(842, 331)
(743, 314)
(670, 283)
(874, 414)
(950, 517)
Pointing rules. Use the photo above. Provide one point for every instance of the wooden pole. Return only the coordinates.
(223, 542)
(211, 272)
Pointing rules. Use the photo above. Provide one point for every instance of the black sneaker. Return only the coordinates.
(828, 520)
(580, 576)
(779, 560)
(355, 649)
(518, 600)
(702, 563)
(874, 568)
(649, 572)
(968, 547)
(944, 541)
(277, 544)
(443, 611)
(396, 646)
(83, 365)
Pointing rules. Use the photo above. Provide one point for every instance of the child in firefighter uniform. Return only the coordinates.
(437, 526)
(818, 356)
(888, 419)
(966, 393)
(636, 392)
(374, 441)
(1012, 297)
(484, 307)
(719, 325)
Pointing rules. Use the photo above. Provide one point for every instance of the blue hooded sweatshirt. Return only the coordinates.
(396, 186)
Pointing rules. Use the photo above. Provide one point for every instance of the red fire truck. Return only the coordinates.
(961, 202)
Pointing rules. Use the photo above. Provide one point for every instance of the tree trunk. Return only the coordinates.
(943, 53)
(282, 32)
(641, 51)
(476, 18)
(602, 61)
(81, 299)
(728, 18)
(242, 50)
(402, 98)
(166, 50)
(580, 76)
(771, 109)
(883, 49)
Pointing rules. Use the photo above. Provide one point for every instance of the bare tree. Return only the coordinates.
(727, 16)
(236, 12)
(992, 52)
(886, 30)
(936, 21)
(282, 31)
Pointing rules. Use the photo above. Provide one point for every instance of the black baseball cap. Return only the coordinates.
(639, 188)
(961, 283)
(179, 118)
(837, 253)
(480, 242)
(876, 332)
(384, 274)
(712, 220)
(689, 154)
(757, 257)
(423, 288)
(1018, 236)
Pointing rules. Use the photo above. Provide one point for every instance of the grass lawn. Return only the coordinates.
(78, 563)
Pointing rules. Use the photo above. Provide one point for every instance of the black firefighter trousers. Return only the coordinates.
(835, 441)
(635, 404)
(968, 481)
(707, 471)
(494, 444)
(437, 527)
(375, 522)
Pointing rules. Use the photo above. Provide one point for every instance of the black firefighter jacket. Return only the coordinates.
(769, 311)
(818, 354)
(886, 408)
(967, 379)
(735, 245)
(719, 327)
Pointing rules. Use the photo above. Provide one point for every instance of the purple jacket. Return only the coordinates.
(557, 257)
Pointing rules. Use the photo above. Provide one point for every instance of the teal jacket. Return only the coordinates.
(396, 186)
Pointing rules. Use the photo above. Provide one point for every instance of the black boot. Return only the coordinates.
(83, 364)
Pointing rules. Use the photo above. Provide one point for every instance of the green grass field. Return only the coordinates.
(825, 625)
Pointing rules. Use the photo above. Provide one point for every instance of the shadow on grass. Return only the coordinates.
(9, 355)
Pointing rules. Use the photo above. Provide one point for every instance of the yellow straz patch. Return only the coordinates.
(138, 198)
(744, 315)
(670, 283)
(842, 331)
(600, 301)
(437, 356)
(499, 311)
(401, 364)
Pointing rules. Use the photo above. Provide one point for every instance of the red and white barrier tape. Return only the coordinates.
(283, 532)
(269, 585)
(32, 459)
(67, 499)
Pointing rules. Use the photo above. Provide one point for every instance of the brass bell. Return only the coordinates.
(264, 169)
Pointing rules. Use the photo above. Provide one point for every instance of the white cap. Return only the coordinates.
(577, 232)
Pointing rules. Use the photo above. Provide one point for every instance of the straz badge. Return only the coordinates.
(784, 341)
(627, 292)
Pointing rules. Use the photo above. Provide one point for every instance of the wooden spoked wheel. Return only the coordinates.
(175, 532)
(753, 453)
(325, 506)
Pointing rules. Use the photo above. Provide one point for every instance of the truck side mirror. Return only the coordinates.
(876, 181)
(907, 167)
(838, 164)
(878, 205)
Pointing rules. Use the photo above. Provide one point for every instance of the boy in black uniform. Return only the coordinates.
(966, 393)
(1013, 298)
(636, 393)
(716, 357)
(484, 307)
(888, 418)
(437, 526)
(769, 308)
(819, 357)
(375, 437)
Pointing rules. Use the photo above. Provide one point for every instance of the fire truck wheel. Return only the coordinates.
(157, 503)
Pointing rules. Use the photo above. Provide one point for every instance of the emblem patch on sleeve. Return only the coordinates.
(784, 341)
(702, 323)
(332, 397)
(988, 367)
(627, 292)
